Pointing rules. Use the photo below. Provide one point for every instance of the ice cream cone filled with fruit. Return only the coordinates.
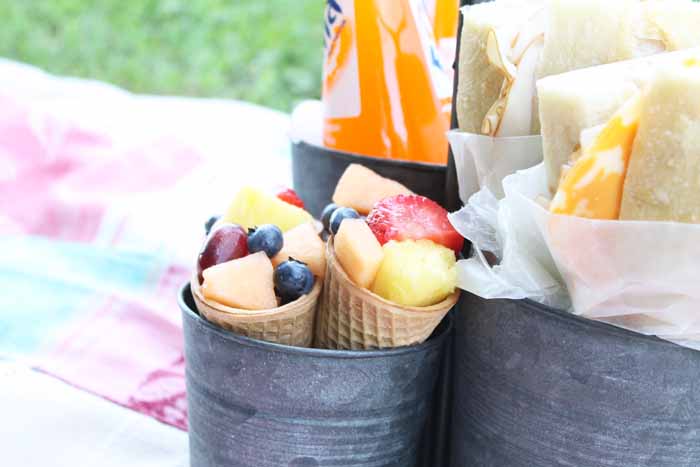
(261, 268)
(391, 277)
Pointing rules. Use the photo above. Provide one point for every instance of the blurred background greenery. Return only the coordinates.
(262, 51)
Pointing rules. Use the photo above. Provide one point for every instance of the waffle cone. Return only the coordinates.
(351, 317)
(290, 324)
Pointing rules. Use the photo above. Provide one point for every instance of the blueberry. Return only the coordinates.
(326, 216)
(339, 216)
(292, 280)
(210, 223)
(267, 238)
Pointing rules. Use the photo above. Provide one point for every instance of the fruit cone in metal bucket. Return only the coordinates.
(351, 317)
(260, 271)
(290, 324)
(390, 277)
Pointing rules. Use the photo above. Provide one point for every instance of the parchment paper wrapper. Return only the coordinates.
(494, 226)
(483, 161)
(642, 276)
(508, 230)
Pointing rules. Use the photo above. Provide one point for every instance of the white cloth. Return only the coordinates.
(48, 423)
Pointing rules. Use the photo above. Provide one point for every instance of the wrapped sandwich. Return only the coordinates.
(573, 102)
(621, 235)
(643, 163)
(507, 45)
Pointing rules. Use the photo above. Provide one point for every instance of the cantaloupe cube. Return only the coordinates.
(252, 207)
(358, 251)
(303, 243)
(360, 188)
(245, 283)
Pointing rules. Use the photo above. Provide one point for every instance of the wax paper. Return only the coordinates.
(640, 275)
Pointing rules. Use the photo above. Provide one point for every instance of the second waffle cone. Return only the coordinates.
(350, 317)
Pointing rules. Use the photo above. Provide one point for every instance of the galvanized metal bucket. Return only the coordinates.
(259, 404)
(535, 386)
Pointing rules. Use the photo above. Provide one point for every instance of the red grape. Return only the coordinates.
(227, 242)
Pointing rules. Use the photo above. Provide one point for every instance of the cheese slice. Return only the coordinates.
(593, 186)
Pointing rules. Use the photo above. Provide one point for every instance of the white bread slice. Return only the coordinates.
(579, 34)
(583, 33)
(480, 82)
(677, 21)
(663, 178)
(572, 102)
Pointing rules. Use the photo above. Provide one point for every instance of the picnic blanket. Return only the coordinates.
(103, 196)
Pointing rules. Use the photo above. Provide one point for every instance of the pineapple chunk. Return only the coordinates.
(245, 283)
(358, 251)
(252, 207)
(303, 243)
(416, 273)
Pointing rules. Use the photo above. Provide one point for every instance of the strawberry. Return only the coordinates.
(413, 217)
(291, 197)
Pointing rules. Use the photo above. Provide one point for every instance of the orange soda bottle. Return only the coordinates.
(445, 18)
(386, 90)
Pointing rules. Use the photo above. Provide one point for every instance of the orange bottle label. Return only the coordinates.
(340, 66)
(445, 17)
(386, 90)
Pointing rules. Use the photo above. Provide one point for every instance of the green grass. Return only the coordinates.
(262, 51)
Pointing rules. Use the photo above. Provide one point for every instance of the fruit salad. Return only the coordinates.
(263, 253)
(404, 250)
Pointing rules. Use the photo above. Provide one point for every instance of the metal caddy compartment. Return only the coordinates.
(254, 403)
(316, 170)
(537, 387)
